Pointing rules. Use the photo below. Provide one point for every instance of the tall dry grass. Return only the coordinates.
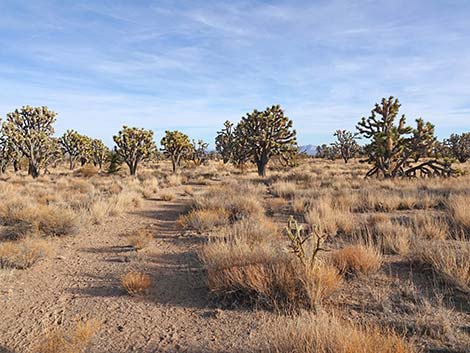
(327, 334)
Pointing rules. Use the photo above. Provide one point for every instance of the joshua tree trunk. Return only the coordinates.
(33, 170)
(261, 163)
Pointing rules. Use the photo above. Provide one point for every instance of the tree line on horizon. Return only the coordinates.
(394, 149)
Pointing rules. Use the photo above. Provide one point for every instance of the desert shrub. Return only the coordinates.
(150, 187)
(450, 260)
(124, 201)
(188, 190)
(357, 259)
(28, 217)
(326, 334)
(86, 171)
(265, 276)
(136, 283)
(204, 220)
(76, 341)
(23, 253)
(99, 210)
(140, 238)
(55, 221)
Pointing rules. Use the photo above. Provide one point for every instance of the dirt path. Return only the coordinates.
(82, 282)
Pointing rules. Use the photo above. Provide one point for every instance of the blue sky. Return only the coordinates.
(190, 65)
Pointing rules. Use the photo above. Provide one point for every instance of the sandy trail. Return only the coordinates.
(82, 281)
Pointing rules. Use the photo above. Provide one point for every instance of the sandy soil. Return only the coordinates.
(81, 281)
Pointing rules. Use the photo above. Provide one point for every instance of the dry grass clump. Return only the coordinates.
(260, 274)
(395, 238)
(167, 196)
(251, 229)
(204, 219)
(450, 260)
(140, 238)
(459, 210)
(124, 201)
(430, 226)
(174, 180)
(284, 189)
(76, 341)
(239, 200)
(31, 217)
(327, 334)
(136, 283)
(322, 215)
(357, 259)
(23, 253)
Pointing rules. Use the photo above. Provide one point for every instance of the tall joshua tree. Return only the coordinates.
(394, 147)
(199, 152)
(459, 146)
(345, 144)
(99, 152)
(176, 146)
(75, 146)
(134, 145)
(30, 130)
(5, 151)
(262, 135)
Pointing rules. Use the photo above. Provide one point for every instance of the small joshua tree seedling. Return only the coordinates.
(298, 238)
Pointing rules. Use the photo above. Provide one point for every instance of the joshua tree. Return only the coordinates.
(393, 147)
(134, 145)
(224, 142)
(30, 130)
(199, 152)
(326, 152)
(345, 144)
(75, 146)
(262, 135)
(459, 146)
(115, 162)
(176, 146)
(55, 156)
(99, 152)
(5, 151)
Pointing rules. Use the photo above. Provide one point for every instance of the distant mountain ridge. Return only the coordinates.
(311, 150)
